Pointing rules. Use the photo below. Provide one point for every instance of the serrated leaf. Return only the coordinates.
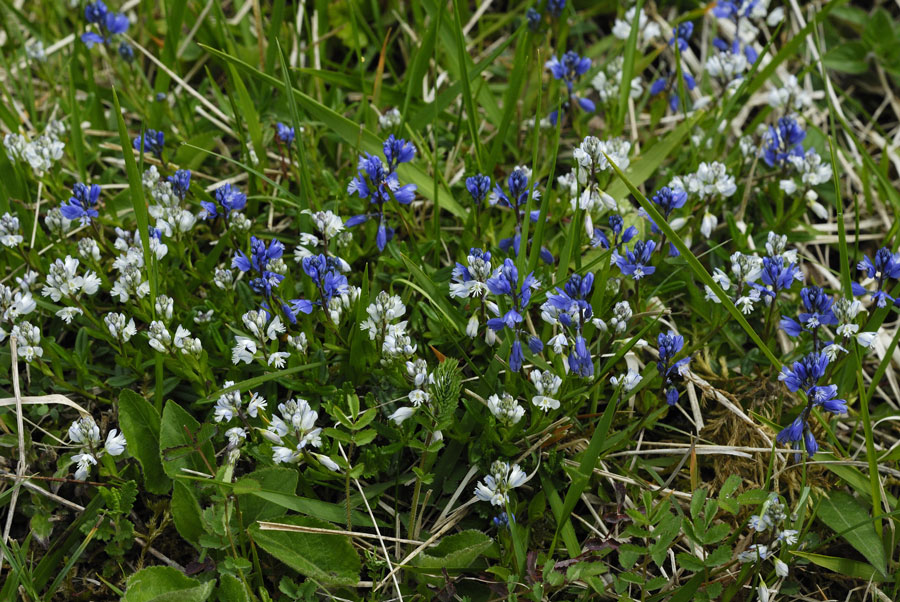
(456, 551)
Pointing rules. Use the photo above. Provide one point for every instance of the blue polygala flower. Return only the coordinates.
(818, 312)
(109, 24)
(796, 432)
(151, 141)
(257, 264)
(620, 234)
(181, 182)
(228, 199)
(669, 199)
(636, 263)
(379, 183)
(777, 276)
(326, 275)
(569, 69)
(81, 204)
(672, 372)
(804, 374)
(505, 283)
(478, 186)
(783, 141)
(284, 133)
(885, 266)
(680, 35)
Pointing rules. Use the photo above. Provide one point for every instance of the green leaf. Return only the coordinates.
(847, 58)
(847, 516)
(140, 425)
(689, 562)
(165, 584)
(273, 478)
(178, 439)
(326, 558)
(231, 589)
(186, 513)
(456, 551)
(316, 508)
(843, 566)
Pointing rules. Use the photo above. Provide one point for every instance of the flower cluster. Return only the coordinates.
(40, 152)
(85, 437)
(803, 376)
(502, 479)
(505, 285)
(378, 181)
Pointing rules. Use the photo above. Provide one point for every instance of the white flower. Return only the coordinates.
(235, 435)
(84, 431)
(418, 397)
(781, 569)
(243, 351)
(284, 455)
(505, 408)
(866, 339)
(84, 461)
(115, 443)
(472, 325)
(628, 381)
(545, 382)
(278, 358)
(228, 405)
(401, 414)
(502, 479)
(545, 402)
(9, 229)
(327, 462)
(67, 314)
(788, 537)
(28, 337)
(753, 553)
(257, 403)
(385, 309)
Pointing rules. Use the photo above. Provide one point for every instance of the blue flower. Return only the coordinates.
(81, 204)
(110, 24)
(534, 19)
(636, 264)
(516, 200)
(126, 52)
(783, 142)
(181, 182)
(672, 372)
(258, 262)
(229, 198)
(95, 12)
(777, 275)
(284, 133)
(818, 312)
(556, 7)
(478, 186)
(798, 431)
(669, 200)
(680, 35)
(151, 141)
(505, 283)
(569, 69)
(397, 151)
(804, 374)
(379, 183)
(886, 266)
(620, 233)
(325, 274)
(824, 397)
